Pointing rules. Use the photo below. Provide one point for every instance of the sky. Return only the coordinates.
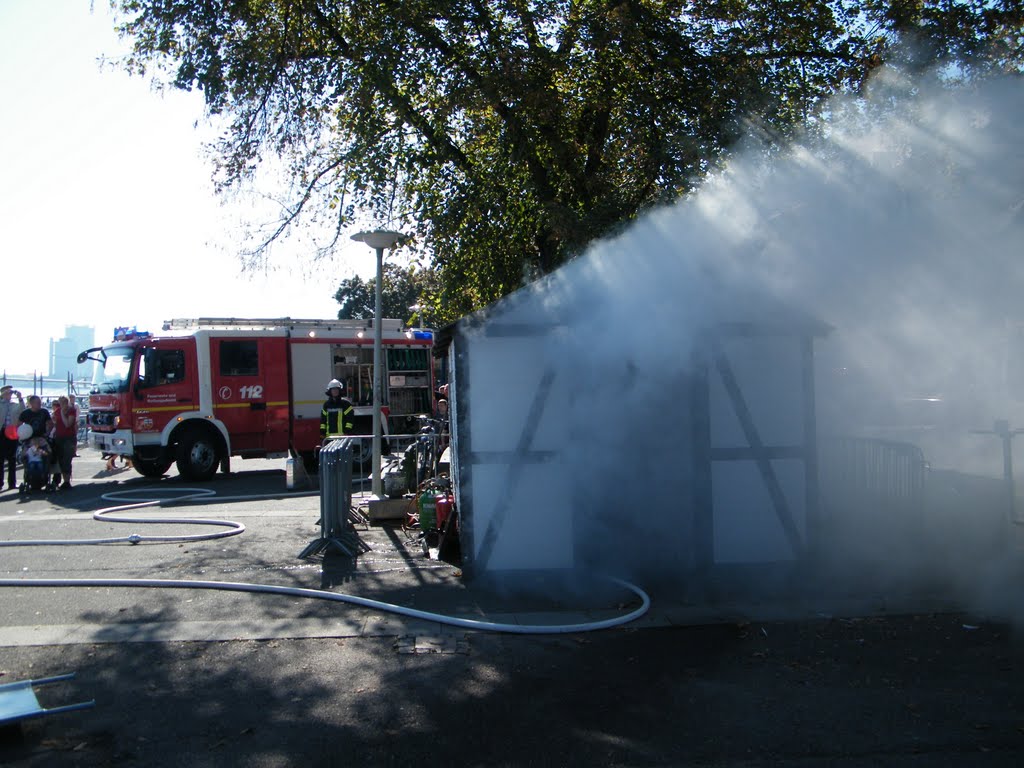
(107, 213)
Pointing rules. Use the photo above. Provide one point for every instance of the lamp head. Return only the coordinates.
(380, 238)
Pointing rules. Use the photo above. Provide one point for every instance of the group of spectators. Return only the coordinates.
(55, 431)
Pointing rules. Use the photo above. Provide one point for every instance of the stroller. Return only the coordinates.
(39, 462)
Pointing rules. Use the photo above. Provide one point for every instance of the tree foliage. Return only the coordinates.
(510, 133)
(405, 293)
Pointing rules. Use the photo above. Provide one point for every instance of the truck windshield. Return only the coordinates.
(112, 374)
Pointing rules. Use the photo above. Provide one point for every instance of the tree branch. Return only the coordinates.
(436, 138)
(517, 131)
(529, 28)
(570, 30)
(293, 212)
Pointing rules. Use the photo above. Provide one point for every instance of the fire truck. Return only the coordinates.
(204, 390)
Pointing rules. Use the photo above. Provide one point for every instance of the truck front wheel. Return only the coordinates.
(152, 468)
(197, 456)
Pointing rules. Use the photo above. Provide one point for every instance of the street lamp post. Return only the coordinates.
(379, 240)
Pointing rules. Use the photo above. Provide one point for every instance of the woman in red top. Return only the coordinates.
(65, 437)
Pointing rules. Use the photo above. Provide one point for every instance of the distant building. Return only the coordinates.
(64, 352)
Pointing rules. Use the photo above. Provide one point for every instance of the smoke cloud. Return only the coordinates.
(896, 241)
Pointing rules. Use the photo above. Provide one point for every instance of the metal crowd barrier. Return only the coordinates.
(336, 528)
(877, 482)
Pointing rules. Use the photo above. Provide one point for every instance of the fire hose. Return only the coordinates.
(200, 495)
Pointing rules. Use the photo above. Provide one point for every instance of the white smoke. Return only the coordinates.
(901, 231)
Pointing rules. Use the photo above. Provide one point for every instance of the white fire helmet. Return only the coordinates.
(334, 384)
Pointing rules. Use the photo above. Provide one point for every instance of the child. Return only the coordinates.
(38, 450)
(37, 459)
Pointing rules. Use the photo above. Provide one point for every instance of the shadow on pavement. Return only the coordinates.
(919, 690)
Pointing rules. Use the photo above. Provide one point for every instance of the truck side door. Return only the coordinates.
(164, 386)
(250, 392)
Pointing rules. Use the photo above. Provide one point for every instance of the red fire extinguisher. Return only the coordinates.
(444, 509)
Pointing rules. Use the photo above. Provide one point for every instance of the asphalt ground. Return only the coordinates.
(195, 678)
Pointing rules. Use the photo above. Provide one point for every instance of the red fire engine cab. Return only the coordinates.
(206, 389)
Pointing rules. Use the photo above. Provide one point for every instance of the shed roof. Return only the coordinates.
(737, 312)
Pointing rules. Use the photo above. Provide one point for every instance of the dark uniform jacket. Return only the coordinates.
(336, 417)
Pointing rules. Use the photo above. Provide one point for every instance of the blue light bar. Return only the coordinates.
(124, 333)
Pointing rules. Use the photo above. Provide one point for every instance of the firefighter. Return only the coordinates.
(336, 416)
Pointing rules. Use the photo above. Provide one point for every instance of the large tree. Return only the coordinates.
(510, 133)
(406, 292)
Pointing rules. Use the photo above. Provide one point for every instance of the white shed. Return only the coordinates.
(592, 431)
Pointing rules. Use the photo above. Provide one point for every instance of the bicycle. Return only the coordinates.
(427, 453)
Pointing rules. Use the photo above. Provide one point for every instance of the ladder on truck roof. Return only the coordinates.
(266, 323)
